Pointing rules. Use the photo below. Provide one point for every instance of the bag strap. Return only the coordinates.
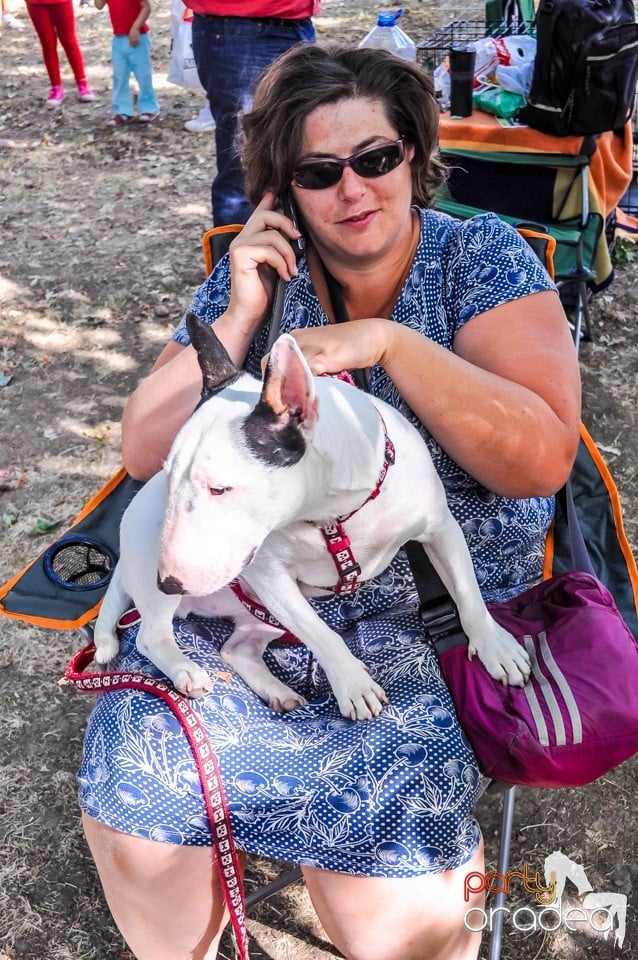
(437, 610)
(341, 316)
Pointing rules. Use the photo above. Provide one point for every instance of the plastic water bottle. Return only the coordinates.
(389, 36)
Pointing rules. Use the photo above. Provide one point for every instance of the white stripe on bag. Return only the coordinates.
(545, 688)
(530, 693)
(564, 687)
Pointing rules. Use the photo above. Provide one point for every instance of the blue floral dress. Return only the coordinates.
(391, 797)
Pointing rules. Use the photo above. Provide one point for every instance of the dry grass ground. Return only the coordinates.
(99, 255)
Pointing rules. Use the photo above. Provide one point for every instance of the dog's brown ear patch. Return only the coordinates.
(218, 370)
(288, 386)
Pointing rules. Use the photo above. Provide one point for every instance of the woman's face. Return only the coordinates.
(358, 219)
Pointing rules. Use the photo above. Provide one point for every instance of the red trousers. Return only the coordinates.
(53, 22)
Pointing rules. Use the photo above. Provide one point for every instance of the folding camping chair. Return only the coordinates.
(63, 587)
(497, 178)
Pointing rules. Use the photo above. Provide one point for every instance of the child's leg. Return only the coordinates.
(63, 16)
(142, 67)
(122, 99)
(40, 14)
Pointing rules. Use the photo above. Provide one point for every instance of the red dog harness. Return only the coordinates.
(338, 541)
(260, 612)
(339, 547)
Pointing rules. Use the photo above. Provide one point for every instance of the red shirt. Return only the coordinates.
(286, 9)
(123, 14)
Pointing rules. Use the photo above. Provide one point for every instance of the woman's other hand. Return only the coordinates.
(356, 345)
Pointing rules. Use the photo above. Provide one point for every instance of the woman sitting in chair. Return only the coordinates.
(459, 326)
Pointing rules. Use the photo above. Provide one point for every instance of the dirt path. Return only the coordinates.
(99, 255)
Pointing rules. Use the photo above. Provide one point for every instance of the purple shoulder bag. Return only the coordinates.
(577, 716)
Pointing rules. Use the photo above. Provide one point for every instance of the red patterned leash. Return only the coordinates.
(207, 767)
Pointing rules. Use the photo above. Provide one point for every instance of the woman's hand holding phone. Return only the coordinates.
(260, 254)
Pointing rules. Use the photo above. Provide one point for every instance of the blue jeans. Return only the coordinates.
(129, 60)
(230, 53)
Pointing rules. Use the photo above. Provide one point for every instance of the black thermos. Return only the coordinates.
(462, 60)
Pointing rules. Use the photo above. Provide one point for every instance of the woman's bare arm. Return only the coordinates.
(504, 404)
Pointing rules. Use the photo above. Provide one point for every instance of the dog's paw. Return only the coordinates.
(279, 697)
(291, 702)
(107, 647)
(366, 707)
(358, 695)
(503, 657)
(192, 681)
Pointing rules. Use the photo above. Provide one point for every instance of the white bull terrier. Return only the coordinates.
(296, 487)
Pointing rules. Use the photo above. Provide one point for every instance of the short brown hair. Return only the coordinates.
(309, 76)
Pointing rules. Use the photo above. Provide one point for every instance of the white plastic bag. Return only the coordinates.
(516, 79)
(182, 70)
(517, 75)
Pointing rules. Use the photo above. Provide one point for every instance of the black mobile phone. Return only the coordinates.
(288, 207)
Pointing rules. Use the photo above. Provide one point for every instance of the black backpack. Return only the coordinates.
(586, 67)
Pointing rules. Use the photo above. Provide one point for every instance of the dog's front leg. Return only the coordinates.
(244, 653)
(501, 655)
(156, 641)
(155, 638)
(115, 602)
(244, 650)
(358, 695)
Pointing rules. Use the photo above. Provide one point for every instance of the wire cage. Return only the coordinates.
(433, 50)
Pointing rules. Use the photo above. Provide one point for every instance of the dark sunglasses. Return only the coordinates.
(370, 162)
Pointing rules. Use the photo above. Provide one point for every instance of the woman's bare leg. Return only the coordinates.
(165, 899)
(168, 904)
(415, 919)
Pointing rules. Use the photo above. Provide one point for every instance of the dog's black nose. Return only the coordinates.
(170, 585)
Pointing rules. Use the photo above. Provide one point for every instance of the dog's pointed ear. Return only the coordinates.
(289, 386)
(285, 417)
(218, 370)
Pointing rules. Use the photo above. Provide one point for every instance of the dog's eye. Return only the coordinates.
(217, 491)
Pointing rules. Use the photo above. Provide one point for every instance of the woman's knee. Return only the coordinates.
(421, 918)
(165, 899)
(141, 861)
(124, 857)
